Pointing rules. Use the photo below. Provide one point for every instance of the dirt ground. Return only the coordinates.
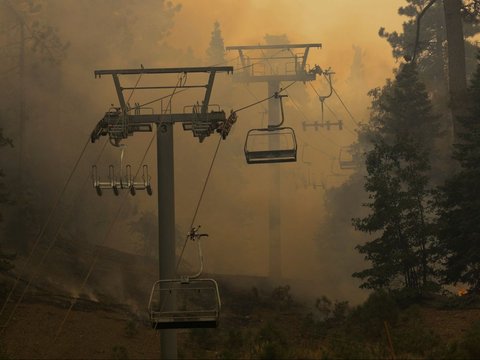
(450, 325)
(96, 334)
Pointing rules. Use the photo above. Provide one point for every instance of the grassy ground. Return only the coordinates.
(258, 321)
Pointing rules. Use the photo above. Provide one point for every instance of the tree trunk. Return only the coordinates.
(457, 73)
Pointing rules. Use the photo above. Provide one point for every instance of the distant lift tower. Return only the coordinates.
(124, 121)
(273, 64)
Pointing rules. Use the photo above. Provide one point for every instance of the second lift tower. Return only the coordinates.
(273, 64)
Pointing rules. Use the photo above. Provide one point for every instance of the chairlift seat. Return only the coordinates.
(347, 165)
(348, 158)
(180, 304)
(270, 145)
(175, 320)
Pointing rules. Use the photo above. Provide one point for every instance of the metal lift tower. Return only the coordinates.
(124, 121)
(276, 63)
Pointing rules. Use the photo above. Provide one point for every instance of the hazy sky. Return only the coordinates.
(236, 197)
(336, 24)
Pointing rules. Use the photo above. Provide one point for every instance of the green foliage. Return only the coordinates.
(432, 43)
(3, 354)
(206, 338)
(453, 301)
(401, 131)
(282, 298)
(468, 347)
(119, 352)
(312, 329)
(471, 341)
(367, 320)
(145, 228)
(5, 259)
(343, 346)
(131, 328)
(459, 203)
(332, 313)
(4, 198)
(216, 50)
(43, 41)
(235, 341)
(412, 336)
(270, 343)
(332, 331)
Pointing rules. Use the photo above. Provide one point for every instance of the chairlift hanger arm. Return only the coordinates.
(118, 88)
(328, 76)
(305, 55)
(208, 92)
(279, 97)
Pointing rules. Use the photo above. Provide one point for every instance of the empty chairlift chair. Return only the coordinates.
(184, 304)
(348, 158)
(188, 302)
(273, 144)
(270, 145)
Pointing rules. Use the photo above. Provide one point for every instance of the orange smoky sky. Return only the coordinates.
(339, 26)
(235, 206)
(336, 24)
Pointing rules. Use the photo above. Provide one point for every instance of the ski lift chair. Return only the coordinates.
(273, 144)
(188, 302)
(270, 145)
(348, 159)
(184, 304)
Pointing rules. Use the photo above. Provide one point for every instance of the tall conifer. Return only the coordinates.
(459, 214)
(401, 131)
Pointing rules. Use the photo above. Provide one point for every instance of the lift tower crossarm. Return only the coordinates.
(205, 69)
(265, 47)
(119, 123)
(248, 74)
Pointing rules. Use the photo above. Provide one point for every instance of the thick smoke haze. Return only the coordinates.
(121, 34)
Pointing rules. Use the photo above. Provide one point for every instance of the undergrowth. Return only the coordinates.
(260, 325)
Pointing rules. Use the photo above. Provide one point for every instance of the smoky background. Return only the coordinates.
(63, 103)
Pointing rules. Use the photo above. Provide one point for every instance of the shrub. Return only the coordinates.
(367, 320)
(131, 328)
(471, 341)
(119, 353)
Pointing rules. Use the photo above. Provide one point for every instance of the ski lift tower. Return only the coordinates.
(121, 122)
(273, 64)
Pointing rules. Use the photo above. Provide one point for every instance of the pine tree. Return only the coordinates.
(5, 259)
(401, 131)
(216, 50)
(431, 56)
(4, 198)
(459, 202)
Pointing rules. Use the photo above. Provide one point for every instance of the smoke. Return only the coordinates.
(234, 211)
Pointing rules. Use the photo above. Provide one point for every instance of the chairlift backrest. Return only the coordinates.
(270, 145)
(348, 158)
(184, 304)
(273, 144)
